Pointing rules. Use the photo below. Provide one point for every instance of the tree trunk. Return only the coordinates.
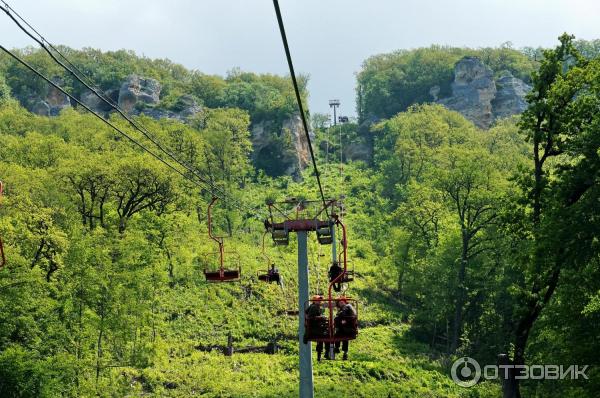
(99, 347)
(122, 224)
(510, 385)
(460, 294)
(402, 270)
(229, 226)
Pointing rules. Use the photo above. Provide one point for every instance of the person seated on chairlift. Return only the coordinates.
(344, 324)
(274, 275)
(334, 271)
(317, 324)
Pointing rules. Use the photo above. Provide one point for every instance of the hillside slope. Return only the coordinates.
(103, 292)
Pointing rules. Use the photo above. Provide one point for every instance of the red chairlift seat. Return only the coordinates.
(228, 275)
(229, 271)
(328, 328)
(221, 274)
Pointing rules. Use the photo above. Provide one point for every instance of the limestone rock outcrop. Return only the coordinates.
(473, 90)
(510, 96)
(96, 104)
(481, 98)
(280, 149)
(52, 103)
(138, 92)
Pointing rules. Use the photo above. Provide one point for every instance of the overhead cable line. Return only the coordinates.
(299, 100)
(109, 123)
(136, 125)
(116, 108)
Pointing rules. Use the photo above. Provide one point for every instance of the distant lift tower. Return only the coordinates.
(334, 104)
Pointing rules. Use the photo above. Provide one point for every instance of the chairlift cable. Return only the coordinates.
(136, 125)
(299, 100)
(107, 122)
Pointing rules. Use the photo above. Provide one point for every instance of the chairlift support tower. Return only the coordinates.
(302, 224)
(334, 103)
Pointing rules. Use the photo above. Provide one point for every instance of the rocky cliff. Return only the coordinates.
(51, 104)
(278, 147)
(510, 96)
(479, 96)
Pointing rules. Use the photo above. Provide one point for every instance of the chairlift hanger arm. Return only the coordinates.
(340, 277)
(218, 239)
(264, 252)
(272, 206)
(330, 202)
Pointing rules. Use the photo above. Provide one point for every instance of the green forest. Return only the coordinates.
(463, 241)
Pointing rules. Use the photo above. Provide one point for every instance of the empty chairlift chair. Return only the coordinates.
(293, 215)
(228, 275)
(221, 274)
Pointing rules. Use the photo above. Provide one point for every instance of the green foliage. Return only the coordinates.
(4, 90)
(103, 293)
(266, 97)
(390, 83)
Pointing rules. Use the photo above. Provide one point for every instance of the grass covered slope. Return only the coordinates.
(459, 242)
(117, 305)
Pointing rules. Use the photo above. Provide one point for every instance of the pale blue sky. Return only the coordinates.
(329, 39)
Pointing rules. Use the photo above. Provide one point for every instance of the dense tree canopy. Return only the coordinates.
(465, 242)
(390, 83)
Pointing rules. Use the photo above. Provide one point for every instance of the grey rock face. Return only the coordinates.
(40, 107)
(473, 90)
(284, 148)
(52, 103)
(293, 126)
(156, 113)
(357, 151)
(510, 96)
(57, 100)
(434, 92)
(480, 98)
(96, 104)
(187, 106)
(138, 90)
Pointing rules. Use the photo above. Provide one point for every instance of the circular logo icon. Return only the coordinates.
(465, 372)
